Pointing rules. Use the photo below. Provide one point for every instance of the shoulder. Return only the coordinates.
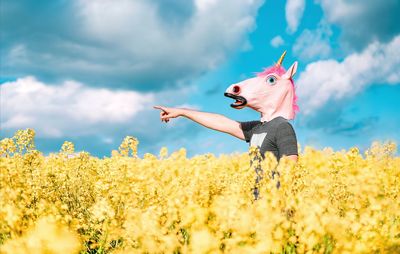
(281, 127)
(280, 121)
(249, 124)
(285, 128)
(284, 124)
(247, 128)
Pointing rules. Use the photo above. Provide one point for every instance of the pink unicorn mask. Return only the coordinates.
(271, 92)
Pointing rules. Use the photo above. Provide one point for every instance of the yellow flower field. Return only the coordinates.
(69, 202)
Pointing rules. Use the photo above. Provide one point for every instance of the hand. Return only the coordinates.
(167, 113)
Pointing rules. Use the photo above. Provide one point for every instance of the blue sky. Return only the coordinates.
(90, 71)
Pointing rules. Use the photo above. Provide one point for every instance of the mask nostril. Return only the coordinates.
(236, 89)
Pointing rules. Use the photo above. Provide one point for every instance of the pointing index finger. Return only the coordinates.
(159, 107)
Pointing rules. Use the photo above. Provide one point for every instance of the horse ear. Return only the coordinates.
(291, 71)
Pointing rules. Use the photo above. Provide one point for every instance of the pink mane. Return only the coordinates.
(279, 70)
(273, 69)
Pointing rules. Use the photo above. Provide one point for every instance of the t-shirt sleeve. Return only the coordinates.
(286, 140)
(247, 128)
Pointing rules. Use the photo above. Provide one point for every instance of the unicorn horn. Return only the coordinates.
(281, 59)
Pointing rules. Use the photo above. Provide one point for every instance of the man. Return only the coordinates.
(271, 93)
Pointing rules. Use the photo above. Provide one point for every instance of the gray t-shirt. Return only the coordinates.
(276, 136)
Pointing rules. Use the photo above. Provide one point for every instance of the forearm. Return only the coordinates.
(293, 157)
(214, 121)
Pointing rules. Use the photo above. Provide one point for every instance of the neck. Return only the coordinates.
(285, 110)
(269, 117)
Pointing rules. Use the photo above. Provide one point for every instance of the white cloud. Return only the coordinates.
(277, 41)
(313, 44)
(70, 108)
(142, 45)
(363, 21)
(203, 5)
(97, 119)
(327, 80)
(341, 9)
(294, 12)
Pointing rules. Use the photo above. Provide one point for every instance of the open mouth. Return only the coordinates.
(240, 101)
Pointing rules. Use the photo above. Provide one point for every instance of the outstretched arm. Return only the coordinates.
(210, 120)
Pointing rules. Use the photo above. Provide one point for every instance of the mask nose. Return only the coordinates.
(236, 89)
